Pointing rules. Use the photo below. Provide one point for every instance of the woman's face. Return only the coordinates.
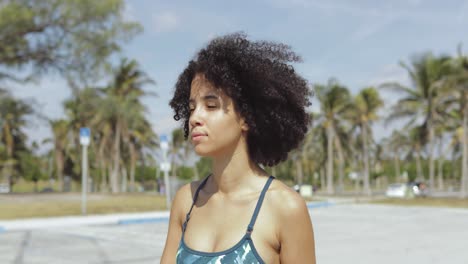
(215, 127)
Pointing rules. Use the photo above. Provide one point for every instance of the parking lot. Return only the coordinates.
(344, 233)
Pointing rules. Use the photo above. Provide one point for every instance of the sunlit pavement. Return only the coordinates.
(344, 233)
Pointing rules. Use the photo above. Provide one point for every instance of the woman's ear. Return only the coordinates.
(244, 125)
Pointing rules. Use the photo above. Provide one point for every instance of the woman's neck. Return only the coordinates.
(234, 172)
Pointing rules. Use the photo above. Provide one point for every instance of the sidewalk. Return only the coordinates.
(110, 219)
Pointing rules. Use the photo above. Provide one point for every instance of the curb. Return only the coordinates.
(313, 205)
(71, 221)
(142, 221)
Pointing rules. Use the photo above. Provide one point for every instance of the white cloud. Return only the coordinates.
(166, 22)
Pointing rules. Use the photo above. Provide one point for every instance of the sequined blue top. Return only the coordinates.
(242, 252)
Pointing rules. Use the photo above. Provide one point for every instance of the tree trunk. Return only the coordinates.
(358, 167)
(158, 182)
(396, 160)
(8, 172)
(330, 135)
(116, 160)
(464, 176)
(418, 165)
(132, 166)
(367, 190)
(440, 164)
(322, 177)
(59, 167)
(299, 173)
(36, 187)
(124, 186)
(340, 165)
(431, 156)
(103, 186)
(454, 167)
(173, 169)
(8, 164)
(102, 166)
(440, 174)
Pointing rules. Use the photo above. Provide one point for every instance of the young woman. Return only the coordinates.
(242, 105)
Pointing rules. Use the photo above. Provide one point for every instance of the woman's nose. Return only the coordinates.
(195, 118)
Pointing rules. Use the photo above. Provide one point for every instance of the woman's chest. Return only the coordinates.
(218, 229)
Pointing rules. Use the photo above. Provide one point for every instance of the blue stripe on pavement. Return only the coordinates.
(319, 204)
(142, 221)
(2, 229)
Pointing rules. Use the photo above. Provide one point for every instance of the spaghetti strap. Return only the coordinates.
(187, 218)
(259, 205)
(254, 216)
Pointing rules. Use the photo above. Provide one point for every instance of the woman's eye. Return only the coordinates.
(211, 106)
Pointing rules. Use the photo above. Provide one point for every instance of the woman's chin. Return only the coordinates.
(202, 152)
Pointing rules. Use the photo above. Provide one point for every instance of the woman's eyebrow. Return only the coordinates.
(206, 98)
(210, 96)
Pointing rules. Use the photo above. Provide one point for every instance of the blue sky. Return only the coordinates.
(358, 42)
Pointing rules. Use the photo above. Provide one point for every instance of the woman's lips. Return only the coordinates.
(197, 136)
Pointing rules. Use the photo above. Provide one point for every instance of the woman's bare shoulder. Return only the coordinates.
(285, 201)
(184, 196)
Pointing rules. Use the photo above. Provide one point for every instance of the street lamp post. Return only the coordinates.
(166, 166)
(84, 141)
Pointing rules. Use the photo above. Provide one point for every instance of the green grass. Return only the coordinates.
(15, 206)
(23, 186)
(427, 201)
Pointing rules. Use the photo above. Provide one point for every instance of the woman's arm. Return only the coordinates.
(296, 232)
(175, 225)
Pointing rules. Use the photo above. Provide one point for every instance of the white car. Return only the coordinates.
(399, 190)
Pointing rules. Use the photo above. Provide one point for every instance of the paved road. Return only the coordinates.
(344, 233)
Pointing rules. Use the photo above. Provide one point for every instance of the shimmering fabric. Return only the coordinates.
(243, 252)
(239, 254)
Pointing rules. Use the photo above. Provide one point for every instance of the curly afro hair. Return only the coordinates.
(265, 89)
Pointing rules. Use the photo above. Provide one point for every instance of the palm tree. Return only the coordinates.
(125, 91)
(80, 111)
(179, 150)
(455, 149)
(457, 97)
(315, 150)
(342, 150)
(365, 107)
(104, 136)
(13, 113)
(416, 138)
(334, 102)
(140, 136)
(394, 146)
(302, 156)
(421, 99)
(60, 130)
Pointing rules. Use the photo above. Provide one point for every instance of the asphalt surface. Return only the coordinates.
(344, 233)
